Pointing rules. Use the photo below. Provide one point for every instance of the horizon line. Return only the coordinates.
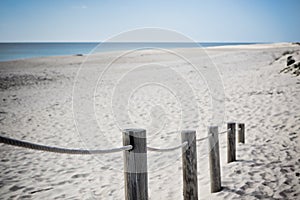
(59, 41)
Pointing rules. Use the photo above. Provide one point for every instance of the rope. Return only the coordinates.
(167, 149)
(29, 145)
(201, 139)
(204, 138)
(39, 147)
(224, 132)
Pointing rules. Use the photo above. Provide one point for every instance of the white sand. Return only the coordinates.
(36, 106)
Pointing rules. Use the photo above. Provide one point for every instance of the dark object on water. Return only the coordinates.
(290, 61)
(79, 54)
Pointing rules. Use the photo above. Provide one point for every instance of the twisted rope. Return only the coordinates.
(29, 145)
(167, 149)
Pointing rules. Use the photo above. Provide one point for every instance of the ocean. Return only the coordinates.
(16, 51)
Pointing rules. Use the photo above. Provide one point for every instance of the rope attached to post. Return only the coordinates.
(201, 139)
(225, 131)
(204, 138)
(167, 149)
(29, 145)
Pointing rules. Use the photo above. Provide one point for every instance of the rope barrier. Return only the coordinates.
(204, 138)
(29, 145)
(224, 132)
(167, 149)
(201, 139)
(39, 147)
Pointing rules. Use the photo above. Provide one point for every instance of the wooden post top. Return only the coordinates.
(134, 130)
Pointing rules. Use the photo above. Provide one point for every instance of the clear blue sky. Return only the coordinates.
(96, 20)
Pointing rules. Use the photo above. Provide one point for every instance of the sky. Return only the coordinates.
(201, 20)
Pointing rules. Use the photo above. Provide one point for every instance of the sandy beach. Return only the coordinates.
(38, 105)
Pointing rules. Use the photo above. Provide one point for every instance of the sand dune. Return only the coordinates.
(38, 105)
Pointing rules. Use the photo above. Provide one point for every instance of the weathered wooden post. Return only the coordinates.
(135, 165)
(214, 159)
(189, 165)
(231, 147)
(241, 133)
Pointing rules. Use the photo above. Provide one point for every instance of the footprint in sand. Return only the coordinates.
(15, 188)
(79, 175)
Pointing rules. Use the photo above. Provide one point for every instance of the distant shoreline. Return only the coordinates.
(12, 51)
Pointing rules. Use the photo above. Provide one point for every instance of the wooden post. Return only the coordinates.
(241, 131)
(189, 165)
(214, 159)
(231, 142)
(135, 165)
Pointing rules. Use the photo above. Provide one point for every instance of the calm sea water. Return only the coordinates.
(15, 51)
